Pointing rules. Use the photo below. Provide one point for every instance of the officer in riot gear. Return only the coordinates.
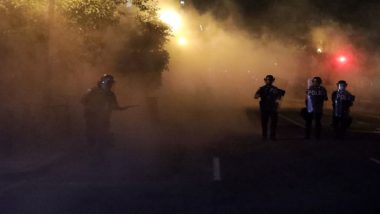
(269, 96)
(99, 102)
(342, 100)
(316, 95)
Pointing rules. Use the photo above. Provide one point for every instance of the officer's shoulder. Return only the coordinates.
(262, 88)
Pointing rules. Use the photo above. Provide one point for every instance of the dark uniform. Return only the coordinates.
(269, 96)
(99, 103)
(316, 95)
(342, 100)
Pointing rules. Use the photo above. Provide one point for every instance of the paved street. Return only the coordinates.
(173, 170)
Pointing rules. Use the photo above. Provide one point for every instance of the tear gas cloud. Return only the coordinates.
(227, 60)
(215, 65)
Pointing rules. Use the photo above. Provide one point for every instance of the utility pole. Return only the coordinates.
(48, 73)
(50, 35)
(50, 21)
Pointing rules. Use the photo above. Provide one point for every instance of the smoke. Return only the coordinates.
(218, 60)
(223, 57)
(213, 78)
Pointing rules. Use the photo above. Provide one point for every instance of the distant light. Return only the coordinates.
(342, 59)
(171, 18)
(182, 2)
(182, 41)
(319, 50)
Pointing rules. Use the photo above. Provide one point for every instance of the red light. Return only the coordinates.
(342, 59)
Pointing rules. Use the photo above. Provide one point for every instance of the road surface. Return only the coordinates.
(208, 168)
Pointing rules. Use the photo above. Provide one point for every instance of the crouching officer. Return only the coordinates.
(269, 96)
(342, 100)
(99, 102)
(316, 95)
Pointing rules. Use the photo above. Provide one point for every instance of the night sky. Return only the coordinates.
(292, 19)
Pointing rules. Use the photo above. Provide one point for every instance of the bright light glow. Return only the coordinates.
(319, 50)
(171, 18)
(182, 41)
(342, 59)
(182, 2)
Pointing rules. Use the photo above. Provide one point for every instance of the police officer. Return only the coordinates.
(316, 95)
(98, 103)
(269, 96)
(342, 100)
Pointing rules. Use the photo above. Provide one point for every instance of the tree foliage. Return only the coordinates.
(139, 34)
(91, 14)
(146, 57)
(20, 15)
(142, 56)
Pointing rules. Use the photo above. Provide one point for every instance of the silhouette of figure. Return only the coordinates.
(269, 96)
(316, 95)
(342, 100)
(99, 102)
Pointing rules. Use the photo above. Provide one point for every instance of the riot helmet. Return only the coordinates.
(106, 81)
(269, 79)
(341, 84)
(317, 81)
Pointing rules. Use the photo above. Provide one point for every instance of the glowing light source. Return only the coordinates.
(171, 18)
(319, 50)
(182, 41)
(342, 59)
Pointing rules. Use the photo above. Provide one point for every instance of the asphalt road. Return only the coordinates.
(190, 169)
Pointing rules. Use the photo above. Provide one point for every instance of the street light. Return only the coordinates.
(172, 19)
(182, 41)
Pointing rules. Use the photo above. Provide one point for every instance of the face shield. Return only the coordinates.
(342, 86)
(106, 84)
(269, 80)
(316, 81)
